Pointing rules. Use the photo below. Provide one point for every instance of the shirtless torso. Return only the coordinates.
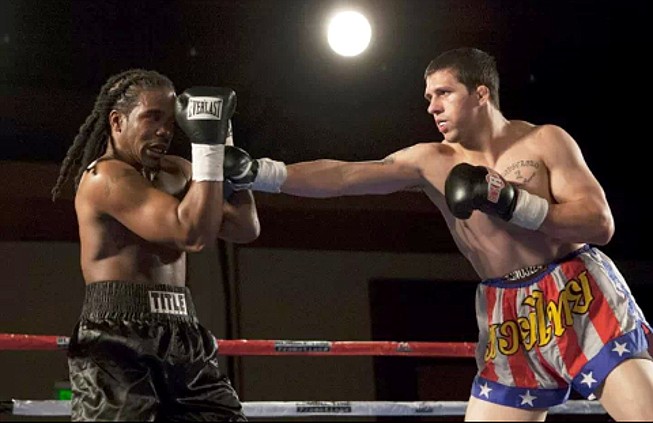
(560, 208)
(109, 250)
(494, 247)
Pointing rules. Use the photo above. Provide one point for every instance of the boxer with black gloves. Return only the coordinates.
(554, 313)
(138, 351)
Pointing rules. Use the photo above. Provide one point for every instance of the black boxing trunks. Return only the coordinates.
(138, 352)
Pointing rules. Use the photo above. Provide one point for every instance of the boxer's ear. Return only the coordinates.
(483, 94)
(115, 121)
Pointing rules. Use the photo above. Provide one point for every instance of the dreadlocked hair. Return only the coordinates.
(120, 92)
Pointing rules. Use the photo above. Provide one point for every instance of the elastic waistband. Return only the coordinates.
(129, 300)
(532, 274)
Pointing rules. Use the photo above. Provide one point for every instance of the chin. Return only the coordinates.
(451, 136)
(150, 162)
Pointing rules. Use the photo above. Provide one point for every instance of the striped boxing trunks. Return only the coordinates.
(545, 330)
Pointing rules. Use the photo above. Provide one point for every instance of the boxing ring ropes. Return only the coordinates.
(285, 409)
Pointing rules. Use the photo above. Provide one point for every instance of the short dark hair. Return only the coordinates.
(120, 92)
(473, 67)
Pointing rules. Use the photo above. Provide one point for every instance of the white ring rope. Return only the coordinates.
(294, 408)
(325, 408)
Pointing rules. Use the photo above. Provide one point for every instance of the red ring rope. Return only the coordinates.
(10, 341)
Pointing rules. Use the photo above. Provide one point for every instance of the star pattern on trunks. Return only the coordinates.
(620, 348)
(485, 390)
(527, 398)
(588, 378)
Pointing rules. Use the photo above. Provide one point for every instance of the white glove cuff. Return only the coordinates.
(271, 175)
(208, 162)
(530, 211)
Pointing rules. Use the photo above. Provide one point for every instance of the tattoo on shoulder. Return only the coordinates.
(522, 171)
(391, 158)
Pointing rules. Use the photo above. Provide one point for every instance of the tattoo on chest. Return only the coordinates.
(521, 171)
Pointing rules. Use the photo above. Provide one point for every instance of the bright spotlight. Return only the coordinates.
(349, 33)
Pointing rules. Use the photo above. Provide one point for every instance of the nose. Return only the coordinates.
(434, 107)
(166, 131)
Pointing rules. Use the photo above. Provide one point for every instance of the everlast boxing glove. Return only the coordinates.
(203, 114)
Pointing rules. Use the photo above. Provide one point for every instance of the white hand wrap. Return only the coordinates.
(208, 162)
(271, 175)
(530, 211)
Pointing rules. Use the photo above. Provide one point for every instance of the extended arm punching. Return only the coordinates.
(244, 173)
(328, 178)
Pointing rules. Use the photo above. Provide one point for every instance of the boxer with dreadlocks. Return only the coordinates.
(138, 351)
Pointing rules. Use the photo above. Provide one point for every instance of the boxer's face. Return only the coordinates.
(143, 136)
(450, 103)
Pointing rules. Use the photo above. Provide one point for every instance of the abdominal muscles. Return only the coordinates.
(496, 248)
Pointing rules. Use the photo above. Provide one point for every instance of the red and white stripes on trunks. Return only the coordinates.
(567, 326)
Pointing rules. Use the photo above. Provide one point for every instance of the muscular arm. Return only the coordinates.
(580, 211)
(118, 190)
(333, 178)
(240, 224)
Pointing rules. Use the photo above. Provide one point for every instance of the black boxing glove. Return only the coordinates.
(246, 173)
(239, 168)
(468, 188)
(203, 113)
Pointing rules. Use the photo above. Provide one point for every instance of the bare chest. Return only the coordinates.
(518, 165)
(525, 170)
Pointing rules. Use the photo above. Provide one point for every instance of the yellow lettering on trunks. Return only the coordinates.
(545, 319)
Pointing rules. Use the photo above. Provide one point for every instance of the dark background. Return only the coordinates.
(583, 65)
(578, 64)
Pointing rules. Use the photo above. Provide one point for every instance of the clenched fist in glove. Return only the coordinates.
(203, 113)
(470, 188)
(243, 172)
